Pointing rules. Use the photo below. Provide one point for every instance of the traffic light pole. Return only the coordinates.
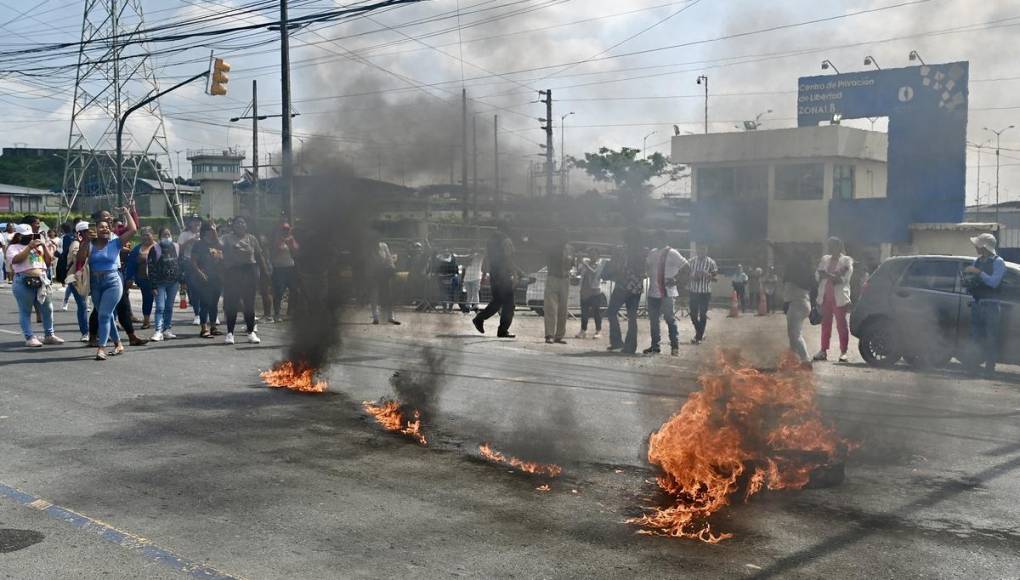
(120, 137)
(288, 152)
(255, 149)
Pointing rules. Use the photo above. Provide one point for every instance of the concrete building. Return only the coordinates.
(17, 199)
(217, 171)
(778, 186)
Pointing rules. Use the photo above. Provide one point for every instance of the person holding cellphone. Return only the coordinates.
(30, 255)
(833, 275)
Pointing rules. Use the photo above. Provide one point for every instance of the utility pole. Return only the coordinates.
(255, 149)
(497, 192)
(703, 80)
(563, 153)
(288, 152)
(474, 166)
(465, 203)
(998, 134)
(548, 128)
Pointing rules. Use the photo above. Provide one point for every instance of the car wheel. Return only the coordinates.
(877, 344)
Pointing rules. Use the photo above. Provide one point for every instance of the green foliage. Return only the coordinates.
(623, 168)
(42, 172)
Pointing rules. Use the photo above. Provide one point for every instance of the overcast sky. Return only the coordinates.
(386, 95)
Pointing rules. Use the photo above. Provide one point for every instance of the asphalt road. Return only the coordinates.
(173, 460)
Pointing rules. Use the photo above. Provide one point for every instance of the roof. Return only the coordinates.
(8, 189)
(154, 184)
(951, 227)
(779, 144)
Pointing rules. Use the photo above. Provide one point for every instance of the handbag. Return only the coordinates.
(82, 278)
(815, 316)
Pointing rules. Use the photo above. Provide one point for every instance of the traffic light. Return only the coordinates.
(218, 85)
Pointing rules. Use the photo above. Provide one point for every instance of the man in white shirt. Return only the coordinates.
(663, 266)
(703, 275)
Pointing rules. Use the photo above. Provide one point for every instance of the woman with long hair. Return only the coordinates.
(71, 281)
(833, 274)
(102, 251)
(165, 275)
(30, 255)
(207, 277)
(141, 258)
(242, 260)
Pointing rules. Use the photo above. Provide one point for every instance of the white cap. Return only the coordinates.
(986, 241)
(81, 226)
(23, 229)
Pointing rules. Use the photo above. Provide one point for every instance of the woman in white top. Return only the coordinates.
(833, 275)
(71, 282)
(30, 256)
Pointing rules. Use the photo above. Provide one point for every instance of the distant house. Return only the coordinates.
(21, 199)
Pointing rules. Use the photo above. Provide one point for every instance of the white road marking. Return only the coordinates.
(9, 331)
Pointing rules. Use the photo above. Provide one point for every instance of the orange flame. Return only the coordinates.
(742, 420)
(294, 376)
(391, 417)
(526, 466)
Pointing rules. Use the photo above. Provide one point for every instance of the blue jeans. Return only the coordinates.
(81, 308)
(107, 288)
(28, 298)
(621, 298)
(166, 294)
(985, 327)
(663, 307)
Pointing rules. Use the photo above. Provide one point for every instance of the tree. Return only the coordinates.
(624, 169)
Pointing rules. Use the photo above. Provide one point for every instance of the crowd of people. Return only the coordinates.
(97, 262)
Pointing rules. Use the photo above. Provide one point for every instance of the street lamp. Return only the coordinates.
(703, 80)
(979, 147)
(644, 143)
(915, 56)
(563, 153)
(870, 60)
(997, 135)
(827, 64)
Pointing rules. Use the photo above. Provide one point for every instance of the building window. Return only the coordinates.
(843, 182)
(803, 181)
(715, 182)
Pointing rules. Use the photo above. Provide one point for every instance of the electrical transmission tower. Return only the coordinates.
(114, 60)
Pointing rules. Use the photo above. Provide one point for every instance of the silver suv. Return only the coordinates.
(916, 308)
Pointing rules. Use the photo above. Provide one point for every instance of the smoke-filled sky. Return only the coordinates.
(385, 89)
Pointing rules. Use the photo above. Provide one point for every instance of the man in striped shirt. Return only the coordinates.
(703, 274)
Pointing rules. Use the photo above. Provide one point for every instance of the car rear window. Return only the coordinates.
(932, 275)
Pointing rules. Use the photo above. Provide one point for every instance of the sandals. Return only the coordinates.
(118, 350)
(101, 355)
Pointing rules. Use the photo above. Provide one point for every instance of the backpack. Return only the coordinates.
(167, 269)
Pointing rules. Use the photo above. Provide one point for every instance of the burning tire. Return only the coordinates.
(878, 344)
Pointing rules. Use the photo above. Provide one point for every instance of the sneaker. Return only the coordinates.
(505, 335)
(84, 338)
(64, 307)
(652, 350)
(168, 335)
(156, 337)
(53, 339)
(695, 341)
(596, 336)
(267, 319)
(548, 340)
(581, 334)
(844, 358)
(229, 339)
(559, 341)
(196, 321)
(822, 355)
(254, 338)
(33, 342)
(375, 321)
(674, 351)
(394, 322)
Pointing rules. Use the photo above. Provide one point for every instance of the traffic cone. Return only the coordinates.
(184, 300)
(734, 306)
(763, 307)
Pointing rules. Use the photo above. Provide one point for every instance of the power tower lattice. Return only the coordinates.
(113, 60)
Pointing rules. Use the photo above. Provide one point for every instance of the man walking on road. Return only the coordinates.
(663, 265)
(703, 274)
(557, 288)
(627, 271)
(503, 271)
(983, 280)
